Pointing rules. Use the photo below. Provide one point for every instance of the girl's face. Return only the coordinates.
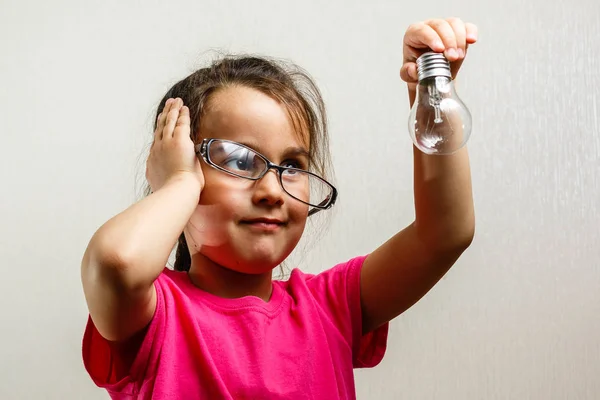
(258, 121)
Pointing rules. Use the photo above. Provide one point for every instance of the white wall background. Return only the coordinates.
(517, 318)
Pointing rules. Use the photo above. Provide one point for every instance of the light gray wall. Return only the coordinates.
(517, 318)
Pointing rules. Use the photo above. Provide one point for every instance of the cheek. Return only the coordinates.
(221, 189)
(298, 212)
(213, 221)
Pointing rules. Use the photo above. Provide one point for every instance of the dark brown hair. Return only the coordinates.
(283, 81)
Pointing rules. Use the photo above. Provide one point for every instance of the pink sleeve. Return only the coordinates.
(103, 359)
(340, 288)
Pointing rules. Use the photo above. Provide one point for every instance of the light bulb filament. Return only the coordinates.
(435, 98)
(438, 114)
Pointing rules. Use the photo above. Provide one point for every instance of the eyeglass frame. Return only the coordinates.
(201, 150)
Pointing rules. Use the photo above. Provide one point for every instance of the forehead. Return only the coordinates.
(251, 117)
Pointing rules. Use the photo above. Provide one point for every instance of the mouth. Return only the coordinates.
(265, 224)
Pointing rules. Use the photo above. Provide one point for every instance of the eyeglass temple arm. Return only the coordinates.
(321, 205)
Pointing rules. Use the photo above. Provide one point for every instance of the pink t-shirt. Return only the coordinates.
(302, 344)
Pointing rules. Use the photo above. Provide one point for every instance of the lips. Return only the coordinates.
(267, 221)
(263, 225)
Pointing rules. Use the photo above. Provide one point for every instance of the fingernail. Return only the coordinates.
(461, 53)
(451, 53)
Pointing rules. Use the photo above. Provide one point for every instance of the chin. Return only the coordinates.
(253, 253)
(247, 258)
(258, 260)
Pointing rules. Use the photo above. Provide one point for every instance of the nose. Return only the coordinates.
(268, 190)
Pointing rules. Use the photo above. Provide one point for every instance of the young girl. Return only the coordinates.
(238, 163)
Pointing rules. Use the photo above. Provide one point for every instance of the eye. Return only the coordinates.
(240, 161)
(292, 173)
(293, 164)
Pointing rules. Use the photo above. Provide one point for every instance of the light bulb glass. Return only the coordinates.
(439, 122)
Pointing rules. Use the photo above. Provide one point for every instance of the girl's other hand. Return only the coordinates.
(172, 153)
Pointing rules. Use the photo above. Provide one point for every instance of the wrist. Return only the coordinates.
(188, 180)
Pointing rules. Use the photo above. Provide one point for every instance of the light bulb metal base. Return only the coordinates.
(432, 64)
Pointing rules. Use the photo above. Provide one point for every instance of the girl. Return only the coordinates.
(238, 163)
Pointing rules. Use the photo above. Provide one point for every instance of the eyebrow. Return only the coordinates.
(296, 151)
(288, 152)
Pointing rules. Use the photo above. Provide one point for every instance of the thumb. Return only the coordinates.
(408, 72)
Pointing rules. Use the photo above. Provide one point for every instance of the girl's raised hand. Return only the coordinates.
(172, 154)
(451, 36)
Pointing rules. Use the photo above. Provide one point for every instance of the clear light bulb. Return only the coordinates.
(439, 122)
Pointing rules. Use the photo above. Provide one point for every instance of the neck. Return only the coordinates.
(227, 283)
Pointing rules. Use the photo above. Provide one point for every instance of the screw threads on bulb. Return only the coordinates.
(432, 64)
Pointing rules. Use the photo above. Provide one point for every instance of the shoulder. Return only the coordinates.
(339, 280)
(171, 279)
(338, 271)
(172, 275)
(174, 289)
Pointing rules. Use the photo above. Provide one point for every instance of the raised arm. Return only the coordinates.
(128, 252)
(407, 266)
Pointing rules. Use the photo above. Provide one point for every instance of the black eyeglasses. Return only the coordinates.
(243, 162)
